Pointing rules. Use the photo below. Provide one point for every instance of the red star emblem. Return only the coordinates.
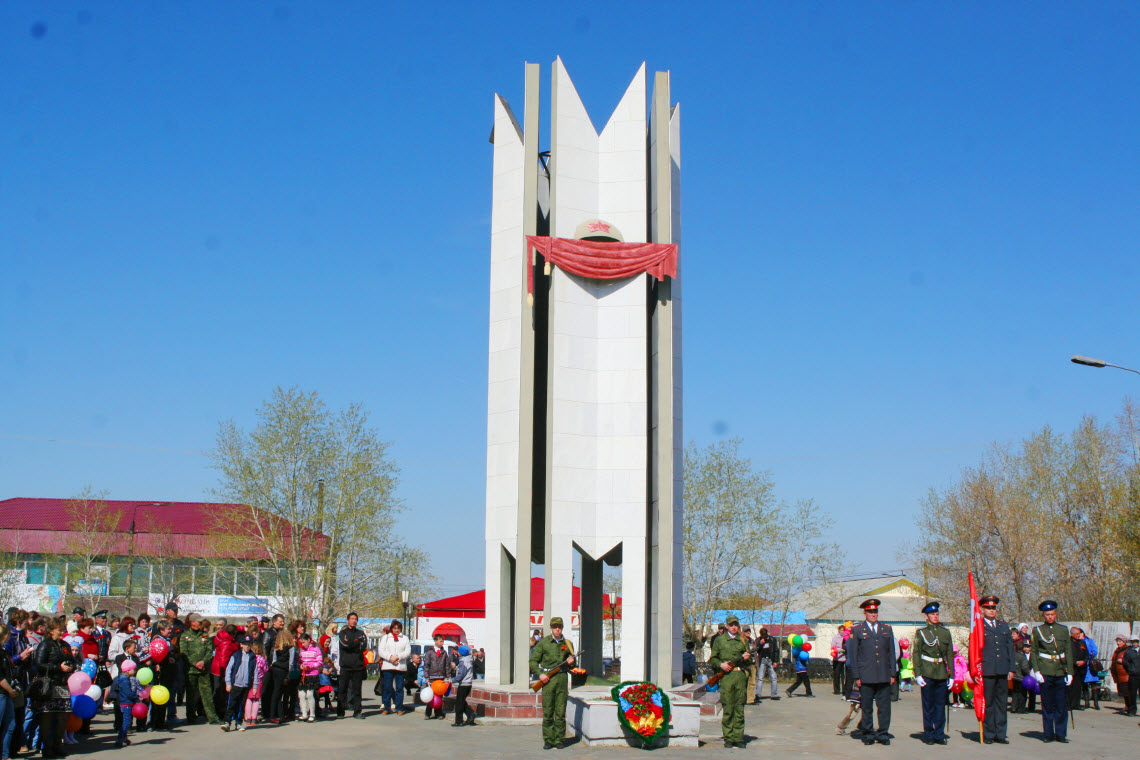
(599, 227)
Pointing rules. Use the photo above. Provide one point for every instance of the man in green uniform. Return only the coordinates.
(550, 652)
(726, 650)
(1051, 656)
(933, 660)
(198, 648)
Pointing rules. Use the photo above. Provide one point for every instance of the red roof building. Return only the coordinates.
(146, 528)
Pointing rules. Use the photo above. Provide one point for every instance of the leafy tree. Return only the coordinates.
(317, 496)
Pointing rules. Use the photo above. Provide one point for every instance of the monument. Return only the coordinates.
(584, 438)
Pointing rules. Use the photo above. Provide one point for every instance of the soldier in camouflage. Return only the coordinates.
(727, 651)
(550, 652)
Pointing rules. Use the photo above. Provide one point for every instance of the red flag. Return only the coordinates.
(976, 641)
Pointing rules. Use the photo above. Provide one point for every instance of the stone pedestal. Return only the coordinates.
(708, 700)
(496, 704)
(594, 719)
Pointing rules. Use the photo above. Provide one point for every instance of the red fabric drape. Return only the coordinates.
(603, 260)
(976, 646)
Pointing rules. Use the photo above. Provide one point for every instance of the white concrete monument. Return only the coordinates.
(584, 440)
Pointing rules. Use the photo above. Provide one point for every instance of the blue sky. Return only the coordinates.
(900, 220)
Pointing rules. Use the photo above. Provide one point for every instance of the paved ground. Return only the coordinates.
(790, 727)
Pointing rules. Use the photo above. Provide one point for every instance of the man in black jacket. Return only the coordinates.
(997, 667)
(767, 655)
(1131, 665)
(353, 642)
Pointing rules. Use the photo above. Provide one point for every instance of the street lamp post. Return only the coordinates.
(1098, 363)
(612, 598)
(404, 599)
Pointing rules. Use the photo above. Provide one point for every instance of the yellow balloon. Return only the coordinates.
(791, 639)
(159, 695)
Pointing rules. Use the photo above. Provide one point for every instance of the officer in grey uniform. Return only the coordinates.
(997, 666)
(873, 659)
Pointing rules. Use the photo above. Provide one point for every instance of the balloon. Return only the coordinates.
(436, 702)
(714, 687)
(78, 683)
(848, 625)
(159, 695)
(95, 693)
(139, 711)
(804, 656)
(791, 639)
(957, 687)
(427, 695)
(807, 646)
(439, 687)
(129, 666)
(1028, 682)
(74, 723)
(89, 667)
(145, 676)
(84, 706)
(834, 652)
(369, 656)
(144, 692)
(798, 640)
(159, 649)
(904, 663)
(967, 689)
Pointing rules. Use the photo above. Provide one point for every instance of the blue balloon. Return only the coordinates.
(89, 668)
(714, 687)
(804, 656)
(84, 706)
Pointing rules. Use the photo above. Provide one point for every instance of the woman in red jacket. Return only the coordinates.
(225, 644)
(90, 648)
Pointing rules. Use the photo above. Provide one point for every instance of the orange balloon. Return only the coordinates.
(370, 656)
(439, 687)
(74, 722)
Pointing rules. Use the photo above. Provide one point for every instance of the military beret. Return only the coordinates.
(989, 599)
(555, 622)
(930, 609)
(871, 605)
(1047, 605)
(731, 620)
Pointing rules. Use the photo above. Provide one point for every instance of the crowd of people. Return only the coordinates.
(233, 674)
(870, 666)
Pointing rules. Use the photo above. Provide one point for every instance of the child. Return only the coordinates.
(129, 647)
(241, 678)
(311, 663)
(961, 675)
(126, 695)
(464, 676)
(253, 700)
(327, 683)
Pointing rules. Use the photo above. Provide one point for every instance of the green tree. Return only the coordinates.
(730, 511)
(317, 500)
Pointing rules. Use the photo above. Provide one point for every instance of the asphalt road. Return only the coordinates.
(791, 727)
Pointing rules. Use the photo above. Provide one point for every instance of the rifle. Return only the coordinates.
(559, 668)
(714, 679)
(843, 724)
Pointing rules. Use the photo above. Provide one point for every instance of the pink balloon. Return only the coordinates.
(437, 702)
(78, 683)
(139, 710)
(144, 692)
(159, 649)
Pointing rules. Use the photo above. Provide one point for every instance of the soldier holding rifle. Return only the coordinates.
(933, 668)
(553, 652)
(728, 653)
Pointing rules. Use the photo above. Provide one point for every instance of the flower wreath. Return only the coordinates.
(643, 709)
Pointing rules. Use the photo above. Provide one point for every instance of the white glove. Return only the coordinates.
(1068, 680)
(920, 680)
(1038, 677)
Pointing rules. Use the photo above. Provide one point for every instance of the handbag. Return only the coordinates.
(40, 688)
